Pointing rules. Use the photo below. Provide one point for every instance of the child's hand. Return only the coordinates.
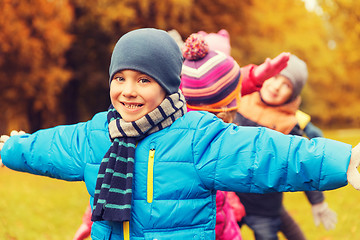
(353, 175)
(323, 214)
(270, 67)
(83, 232)
(4, 138)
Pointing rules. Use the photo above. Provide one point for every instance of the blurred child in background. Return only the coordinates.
(253, 77)
(275, 106)
(203, 71)
(220, 41)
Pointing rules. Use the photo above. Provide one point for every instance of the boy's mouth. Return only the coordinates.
(132, 106)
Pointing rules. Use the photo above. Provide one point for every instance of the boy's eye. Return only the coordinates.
(144, 80)
(118, 78)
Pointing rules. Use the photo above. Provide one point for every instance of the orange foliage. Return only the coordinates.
(33, 40)
(36, 34)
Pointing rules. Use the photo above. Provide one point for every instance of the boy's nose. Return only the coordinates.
(129, 89)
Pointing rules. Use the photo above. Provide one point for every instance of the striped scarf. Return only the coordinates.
(112, 200)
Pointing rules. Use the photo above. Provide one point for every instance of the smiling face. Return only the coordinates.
(276, 90)
(134, 94)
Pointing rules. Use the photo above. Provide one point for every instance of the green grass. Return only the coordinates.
(41, 208)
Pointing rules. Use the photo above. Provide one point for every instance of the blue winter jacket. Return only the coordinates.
(178, 169)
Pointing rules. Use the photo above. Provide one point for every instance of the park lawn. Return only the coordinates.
(41, 208)
(35, 207)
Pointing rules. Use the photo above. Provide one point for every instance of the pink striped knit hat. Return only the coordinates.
(210, 80)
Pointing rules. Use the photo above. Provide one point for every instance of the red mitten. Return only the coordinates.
(84, 230)
(270, 68)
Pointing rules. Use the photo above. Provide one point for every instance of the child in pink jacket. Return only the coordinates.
(200, 94)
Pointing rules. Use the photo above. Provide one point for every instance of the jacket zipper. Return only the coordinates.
(150, 176)
(126, 229)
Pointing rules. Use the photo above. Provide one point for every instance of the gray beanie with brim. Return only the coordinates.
(296, 71)
(150, 51)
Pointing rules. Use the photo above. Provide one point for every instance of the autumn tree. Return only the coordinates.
(257, 29)
(33, 40)
(269, 29)
(343, 17)
(96, 27)
(62, 49)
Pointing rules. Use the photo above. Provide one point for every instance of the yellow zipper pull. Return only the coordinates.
(150, 176)
(126, 227)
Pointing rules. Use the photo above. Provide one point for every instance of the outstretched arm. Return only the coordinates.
(261, 160)
(61, 152)
(254, 76)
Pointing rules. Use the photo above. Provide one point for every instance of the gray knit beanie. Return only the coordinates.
(296, 71)
(150, 51)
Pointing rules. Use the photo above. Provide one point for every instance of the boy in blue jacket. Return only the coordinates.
(152, 171)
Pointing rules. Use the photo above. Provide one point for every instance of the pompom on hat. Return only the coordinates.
(210, 80)
(218, 41)
(195, 47)
(150, 51)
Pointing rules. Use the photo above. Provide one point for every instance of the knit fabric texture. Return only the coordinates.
(113, 191)
(296, 71)
(195, 47)
(211, 83)
(150, 51)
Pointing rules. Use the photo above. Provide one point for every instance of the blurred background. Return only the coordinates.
(55, 54)
(54, 60)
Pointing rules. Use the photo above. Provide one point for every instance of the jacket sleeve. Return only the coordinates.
(261, 160)
(60, 152)
(312, 131)
(315, 197)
